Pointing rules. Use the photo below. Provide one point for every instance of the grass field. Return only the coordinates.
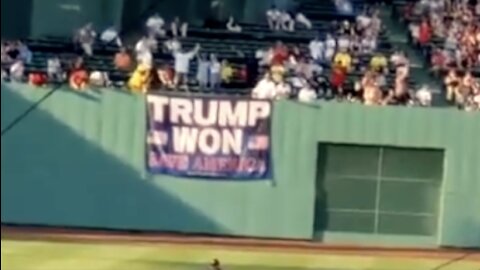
(37, 255)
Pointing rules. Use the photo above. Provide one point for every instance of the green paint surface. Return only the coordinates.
(78, 160)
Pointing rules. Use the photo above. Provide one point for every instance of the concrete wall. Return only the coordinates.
(78, 160)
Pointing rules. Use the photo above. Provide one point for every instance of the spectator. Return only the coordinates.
(140, 79)
(99, 79)
(338, 79)
(425, 33)
(283, 90)
(144, 48)
(172, 45)
(155, 26)
(215, 72)
(4, 75)
(110, 35)
(330, 45)
(371, 92)
(37, 79)
(279, 54)
(166, 75)
(24, 53)
(438, 60)
(265, 88)
(368, 44)
(274, 18)
(12, 50)
(54, 70)
(379, 62)
(232, 26)
(79, 79)
(182, 65)
(203, 68)
(344, 60)
(343, 43)
(317, 49)
(402, 98)
(287, 22)
(302, 19)
(86, 38)
(424, 96)
(307, 94)
(17, 71)
(452, 83)
(177, 26)
(122, 60)
(227, 72)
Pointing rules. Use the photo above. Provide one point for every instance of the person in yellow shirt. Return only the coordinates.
(278, 73)
(343, 59)
(226, 72)
(378, 62)
(140, 79)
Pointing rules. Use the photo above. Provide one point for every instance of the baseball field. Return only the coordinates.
(47, 249)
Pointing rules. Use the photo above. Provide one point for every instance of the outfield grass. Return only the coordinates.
(33, 255)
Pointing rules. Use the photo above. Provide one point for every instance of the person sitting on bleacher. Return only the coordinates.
(425, 33)
(274, 18)
(155, 26)
(110, 35)
(287, 21)
(232, 26)
(85, 36)
(203, 70)
(302, 19)
(215, 74)
(179, 28)
(283, 90)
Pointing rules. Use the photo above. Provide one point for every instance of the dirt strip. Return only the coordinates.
(141, 238)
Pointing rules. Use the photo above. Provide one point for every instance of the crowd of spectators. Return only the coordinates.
(448, 31)
(344, 63)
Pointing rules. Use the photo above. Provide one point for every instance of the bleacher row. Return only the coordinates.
(218, 41)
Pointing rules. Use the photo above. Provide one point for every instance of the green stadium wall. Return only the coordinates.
(78, 160)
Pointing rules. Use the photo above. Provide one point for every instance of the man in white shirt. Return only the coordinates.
(330, 47)
(274, 18)
(155, 26)
(143, 49)
(363, 21)
(307, 95)
(182, 65)
(317, 49)
(265, 88)
(302, 19)
(17, 71)
(111, 35)
(86, 37)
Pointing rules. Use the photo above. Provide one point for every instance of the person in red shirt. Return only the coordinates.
(280, 54)
(338, 78)
(37, 79)
(438, 60)
(425, 33)
(78, 79)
